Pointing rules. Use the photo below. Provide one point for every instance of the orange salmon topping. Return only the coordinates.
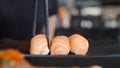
(11, 54)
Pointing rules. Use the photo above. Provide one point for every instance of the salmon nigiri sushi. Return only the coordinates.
(13, 58)
(39, 45)
(78, 44)
(60, 46)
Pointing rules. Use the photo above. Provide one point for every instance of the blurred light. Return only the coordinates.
(111, 24)
(91, 11)
(86, 24)
(75, 12)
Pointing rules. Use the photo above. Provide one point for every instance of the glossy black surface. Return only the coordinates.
(108, 61)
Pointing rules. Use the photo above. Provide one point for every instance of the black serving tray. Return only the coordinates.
(104, 53)
(107, 61)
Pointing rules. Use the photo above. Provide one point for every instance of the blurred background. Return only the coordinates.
(97, 20)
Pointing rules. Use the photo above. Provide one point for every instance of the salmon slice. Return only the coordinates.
(78, 44)
(60, 46)
(39, 45)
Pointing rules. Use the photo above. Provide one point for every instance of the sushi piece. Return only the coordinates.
(13, 58)
(60, 46)
(39, 45)
(78, 44)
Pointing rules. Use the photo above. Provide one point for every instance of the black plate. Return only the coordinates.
(104, 53)
(108, 61)
(101, 52)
